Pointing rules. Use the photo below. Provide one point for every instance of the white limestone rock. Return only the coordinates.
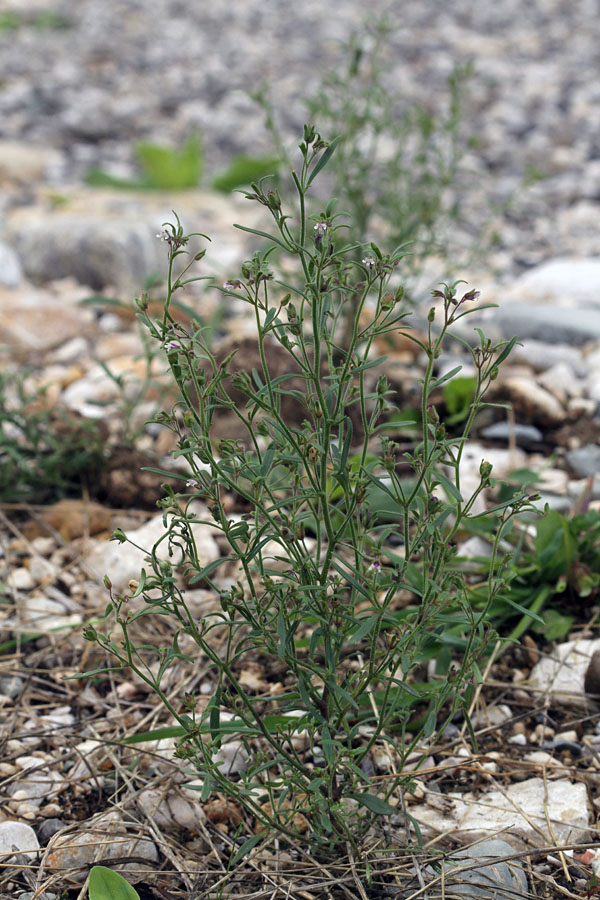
(124, 562)
(522, 809)
(560, 674)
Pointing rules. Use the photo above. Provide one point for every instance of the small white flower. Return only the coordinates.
(164, 236)
(321, 228)
(192, 483)
(172, 345)
(369, 262)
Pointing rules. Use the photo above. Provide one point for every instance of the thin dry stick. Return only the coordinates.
(357, 880)
(479, 687)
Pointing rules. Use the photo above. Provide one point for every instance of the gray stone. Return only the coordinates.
(502, 880)
(542, 356)
(19, 835)
(21, 163)
(585, 460)
(567, 280)
(40, 785)
(48, 829)
(524, 435)
(35, 319)
(550, 324)
(103, 838)
(560, 674)
(11, 686)
(116, 251)
(557, 502)
(10, 267)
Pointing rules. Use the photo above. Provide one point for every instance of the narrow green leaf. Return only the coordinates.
(99, 671)
(264, 234)
(446, 377)
(267, 460)
(156, 735)
(430, 722)
(363, 630)
(449, 487)
(505, 352)
(207, 570)
(324, 159)
(246, 848)
(375, 804)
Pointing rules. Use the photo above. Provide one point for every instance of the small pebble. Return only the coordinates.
(519, 739)
(20, 580)
(11, 686)
(563, 746)
(541, 732)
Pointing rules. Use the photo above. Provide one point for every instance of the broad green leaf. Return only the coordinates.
(243, 170)
(105, 884)
(170, 169)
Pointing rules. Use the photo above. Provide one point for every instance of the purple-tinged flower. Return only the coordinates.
(172, 345)
(369, 262)
(321, 229)
(232, 285)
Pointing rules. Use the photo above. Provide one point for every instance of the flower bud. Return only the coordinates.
(382, 386)
(431, 314)
(273, 201)
(485, 469)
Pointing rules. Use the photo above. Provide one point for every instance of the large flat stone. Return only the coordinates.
(567, 280)
(522, 810)
(552, 324)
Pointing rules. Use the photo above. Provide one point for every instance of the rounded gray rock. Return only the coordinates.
(584, 461)
(19, 835)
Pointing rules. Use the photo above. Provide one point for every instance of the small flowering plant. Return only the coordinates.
(338, 597)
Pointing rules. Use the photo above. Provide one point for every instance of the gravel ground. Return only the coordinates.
(127, 70)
